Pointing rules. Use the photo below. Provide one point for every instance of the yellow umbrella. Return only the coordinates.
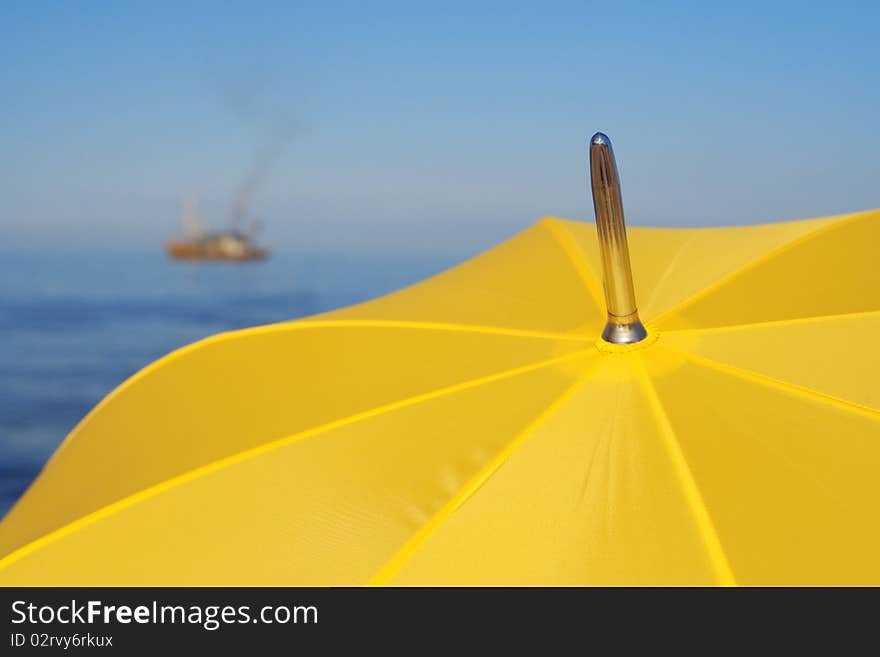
(476, 429)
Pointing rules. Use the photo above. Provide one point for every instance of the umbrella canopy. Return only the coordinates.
(476, 429)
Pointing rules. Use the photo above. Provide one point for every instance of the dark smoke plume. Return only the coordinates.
(247, 99)
(264, 162)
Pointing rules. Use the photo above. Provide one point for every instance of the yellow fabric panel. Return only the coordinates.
(837, 355)
(233, 393)
(589, 497)
(528, 282)
(788, 478)
(322, 510)
(829, 272)
(670, 265)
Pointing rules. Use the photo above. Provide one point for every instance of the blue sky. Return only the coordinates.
(412, 126)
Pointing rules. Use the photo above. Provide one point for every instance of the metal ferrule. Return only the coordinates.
(623, 325)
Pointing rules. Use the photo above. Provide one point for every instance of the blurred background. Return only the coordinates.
(368, 145)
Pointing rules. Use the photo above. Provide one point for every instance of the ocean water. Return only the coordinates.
(74, 325)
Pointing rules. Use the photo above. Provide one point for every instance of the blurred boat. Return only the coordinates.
(232, 245)
(221, 246)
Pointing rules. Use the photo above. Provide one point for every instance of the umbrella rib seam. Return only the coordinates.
(766, 257)
(408, 550)
(213, 466)
(574, 255)
(777, 322)
(661, 280)
(451, 327)
(772, 382)
(303, 324)
(693, 497)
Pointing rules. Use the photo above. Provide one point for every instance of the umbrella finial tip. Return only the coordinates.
(623, 325)
(600, 139)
